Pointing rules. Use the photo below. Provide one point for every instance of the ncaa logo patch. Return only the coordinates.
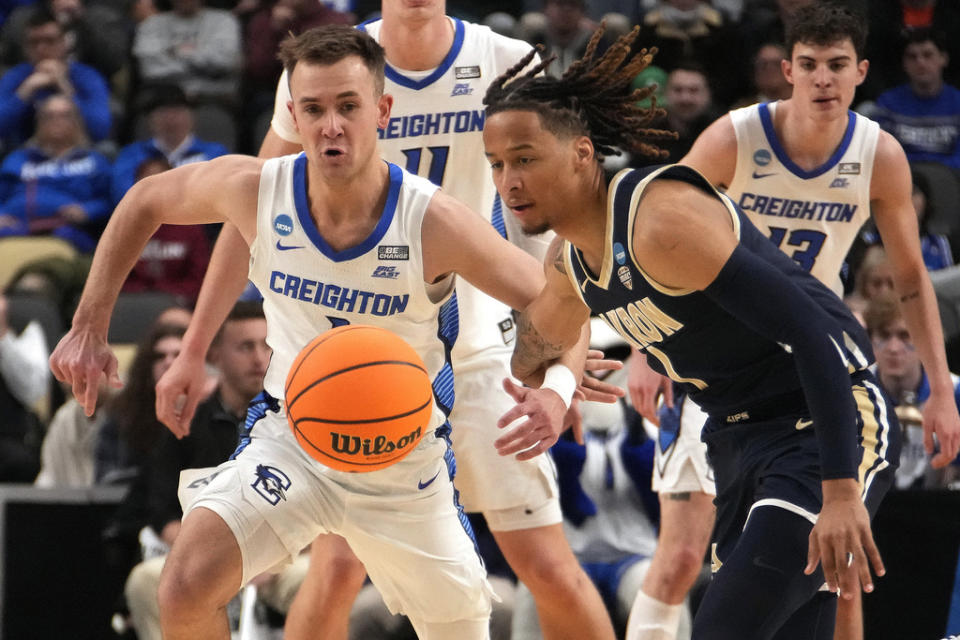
(619, 253)
(271, 483)
(762, 157)
(283, 224)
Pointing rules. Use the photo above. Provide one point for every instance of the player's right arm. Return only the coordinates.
(216, 191)
(714, 153)
(646, 386)
(181, 388)
(551, 324)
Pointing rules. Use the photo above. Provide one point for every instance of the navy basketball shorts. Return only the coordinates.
(767, 471)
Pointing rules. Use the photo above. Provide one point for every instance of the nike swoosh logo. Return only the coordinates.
(287, 247)
(763, 564)
(423, 485)
(803, 424)
(757, 176)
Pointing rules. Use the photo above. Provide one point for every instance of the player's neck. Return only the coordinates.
(585, 223)
(417, 46)
(809, 142)
(346, 211)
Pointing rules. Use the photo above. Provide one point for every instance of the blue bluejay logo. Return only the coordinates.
(762, 157)
(283, 224)
(619, 253)
(271, 483)
(462, 89)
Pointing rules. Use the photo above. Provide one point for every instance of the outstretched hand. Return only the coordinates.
(82, 359)
(843, 531)
(940, 418)
(179, 390)
(646, 386)
(592, 387)
(545, 414)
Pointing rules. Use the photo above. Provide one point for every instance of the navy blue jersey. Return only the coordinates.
(724, 365)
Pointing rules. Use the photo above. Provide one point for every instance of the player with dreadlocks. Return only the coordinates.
(683, 480)
(802, 439)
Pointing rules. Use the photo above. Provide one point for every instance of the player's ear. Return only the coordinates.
(786, 68)
(862, 67)
(293, 114)
(384, 105)
(583, 147)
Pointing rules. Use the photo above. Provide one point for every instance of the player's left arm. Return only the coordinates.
(896, 219)
(686, 241)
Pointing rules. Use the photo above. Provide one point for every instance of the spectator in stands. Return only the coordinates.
(96, 35)
(66, 458)
(872, 279)
(924, 114)
(6, 8)
(57, 278)
(685, 30)
(766, 22)
(56, 184)
(132, 430)
(197, 48)
(175, 258)
(935, 247)
(900, 373)
(769, 83)
(24, 378)
(563, 29)
(889, 21)
(268, 27)
(48, 71)
(240, 354)
(171, 124)
(690, 109)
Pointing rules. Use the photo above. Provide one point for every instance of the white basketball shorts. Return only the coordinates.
(511, 494)
(680, 461)
(402, 521)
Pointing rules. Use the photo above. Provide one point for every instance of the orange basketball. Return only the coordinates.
(358, 398)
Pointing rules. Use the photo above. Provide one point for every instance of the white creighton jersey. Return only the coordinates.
(813, 216)
(309, 288)
(435, 131)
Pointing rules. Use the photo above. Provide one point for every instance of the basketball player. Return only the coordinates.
(321, 227)
(809, 171)
(438, 69)
(802, 440)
